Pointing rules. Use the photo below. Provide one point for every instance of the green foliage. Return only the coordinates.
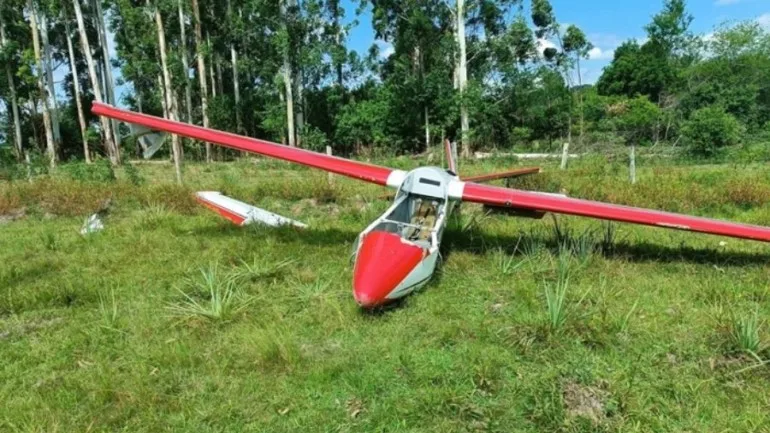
(745, 333)
(556, 294)
(710, 129)
(133, 175)
(636, 120)
(100, 171)
(214, 296)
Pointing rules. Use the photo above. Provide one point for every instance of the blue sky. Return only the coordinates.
(607, 22)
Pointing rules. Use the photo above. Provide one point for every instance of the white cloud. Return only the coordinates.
(726, 2)
(386, 48)
(597, 53)
(764, 20)
(542, 44)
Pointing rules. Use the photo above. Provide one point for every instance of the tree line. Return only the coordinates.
(486, 73)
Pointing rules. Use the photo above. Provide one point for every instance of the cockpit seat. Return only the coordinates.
(423, 220)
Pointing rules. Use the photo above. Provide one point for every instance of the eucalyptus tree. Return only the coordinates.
(577, 46)
(200, 52)
(112, 150)
(77, 93)
(170, 98)
(42, 88)
(10, 58)
(571, 47)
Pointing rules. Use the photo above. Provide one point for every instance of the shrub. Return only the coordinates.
(710, 129)
(99, 171)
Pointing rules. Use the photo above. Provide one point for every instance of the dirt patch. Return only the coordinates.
(21, 329)
(583, 401)
(12, 216)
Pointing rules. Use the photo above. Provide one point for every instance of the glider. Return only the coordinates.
(398, 252)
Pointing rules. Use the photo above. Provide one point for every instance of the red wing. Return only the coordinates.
(513, 198)
(346, 167)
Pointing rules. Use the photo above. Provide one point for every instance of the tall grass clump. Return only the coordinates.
(214, 296)
(108, 307)
(745, 333)
(556, 294)
(507, 263)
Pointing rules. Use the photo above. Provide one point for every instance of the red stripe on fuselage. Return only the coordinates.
(232, 216)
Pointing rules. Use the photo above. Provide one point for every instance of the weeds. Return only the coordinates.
(49, 240)
(100, 171)
(507, 263)
(108, 307)
(259, 269)
(220, 298)
(556, 294)
(133, 174)
(608, 238)
(745, 333)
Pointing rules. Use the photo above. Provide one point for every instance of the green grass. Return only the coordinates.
(103, 333)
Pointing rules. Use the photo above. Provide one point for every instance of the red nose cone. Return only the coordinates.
(383, 262)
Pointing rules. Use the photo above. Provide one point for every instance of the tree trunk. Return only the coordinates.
(163, 99)
(340, 45)
(48, 62)
(211, 69)
(218, 61)
(185, 64)
(76, 86)
(18, 146)
(462, 77)
(565, 148)
(427, 129)
(112, 150)
(300, 107)
(109, 82)
(632, 165)
(169, 93)
(580, 104)
(201, 71)
(236, 90)
(49, 138)
(289, 93)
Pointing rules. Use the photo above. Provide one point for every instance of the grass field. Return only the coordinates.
(173, 320)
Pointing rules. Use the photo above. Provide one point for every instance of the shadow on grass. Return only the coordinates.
(476, 241)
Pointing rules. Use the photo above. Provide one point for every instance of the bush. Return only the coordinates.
(99, 171)
(710, 129)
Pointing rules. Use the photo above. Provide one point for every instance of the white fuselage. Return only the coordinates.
(399, 251)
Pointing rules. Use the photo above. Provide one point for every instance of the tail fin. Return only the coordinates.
(450, 150)
(150, 140)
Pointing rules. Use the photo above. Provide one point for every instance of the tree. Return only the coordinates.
(573, 46)
(636, 120)
(112, 150)
(710, 129)
(287, 14)
(168, 89)
(42, 88)
(7, 59)
(77, 92)
(576, 44)
(109, 82)
(200, 55)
